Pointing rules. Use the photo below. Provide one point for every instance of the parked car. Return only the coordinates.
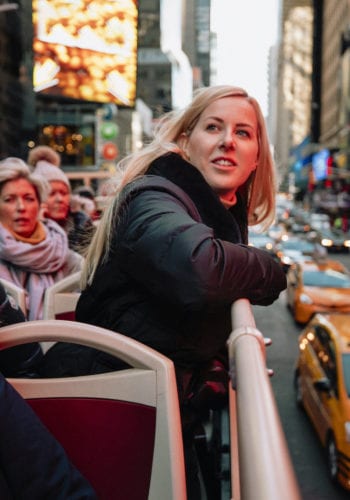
(322, 384)
(332, 239)
(293, 250)
(319, 221)
(317, 286)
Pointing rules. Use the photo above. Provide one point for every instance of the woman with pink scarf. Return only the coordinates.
(34, 254)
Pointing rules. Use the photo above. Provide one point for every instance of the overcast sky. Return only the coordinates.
(246, 29)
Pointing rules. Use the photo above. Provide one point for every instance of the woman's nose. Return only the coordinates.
(227, 141)
(20, 204)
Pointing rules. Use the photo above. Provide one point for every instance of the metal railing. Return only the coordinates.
(260, 462)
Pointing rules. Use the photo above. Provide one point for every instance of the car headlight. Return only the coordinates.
(305, 299)
(347, 243)
(326, 242)
(347, 431)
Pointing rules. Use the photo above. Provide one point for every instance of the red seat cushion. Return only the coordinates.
(111, 442)
(68, 315)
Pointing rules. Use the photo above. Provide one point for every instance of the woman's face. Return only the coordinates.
(224, 144)
(57, 203)
(19, 207)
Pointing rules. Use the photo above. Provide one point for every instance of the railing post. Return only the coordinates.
(265, 470)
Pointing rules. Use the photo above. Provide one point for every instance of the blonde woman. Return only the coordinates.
(170, 254)
(34, 254)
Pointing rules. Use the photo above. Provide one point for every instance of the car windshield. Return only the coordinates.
(346, 370)
(324, 279)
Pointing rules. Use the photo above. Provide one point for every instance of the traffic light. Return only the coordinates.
(107, 132)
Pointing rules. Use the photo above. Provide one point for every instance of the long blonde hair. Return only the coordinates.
(258, 192)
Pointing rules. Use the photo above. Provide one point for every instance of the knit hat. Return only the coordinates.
(43, 153)
(50, 172)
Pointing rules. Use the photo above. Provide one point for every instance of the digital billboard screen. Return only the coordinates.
(86, 49)
(320, 164)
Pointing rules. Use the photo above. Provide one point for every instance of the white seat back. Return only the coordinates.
(148, 383)
(17, 293)
(62, 297)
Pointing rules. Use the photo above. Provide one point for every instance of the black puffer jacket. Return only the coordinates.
(176, 265)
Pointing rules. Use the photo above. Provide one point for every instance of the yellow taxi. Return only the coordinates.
(322, 387)
(317, 286)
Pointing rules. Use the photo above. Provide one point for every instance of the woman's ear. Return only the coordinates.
(182, 143)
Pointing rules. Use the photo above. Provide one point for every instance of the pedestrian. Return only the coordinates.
(34, 254)
(60, 206)
(170, 254)
(87, 198)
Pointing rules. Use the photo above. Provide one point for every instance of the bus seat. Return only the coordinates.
(121, 429)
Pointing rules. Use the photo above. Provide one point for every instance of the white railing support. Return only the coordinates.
(264, 467)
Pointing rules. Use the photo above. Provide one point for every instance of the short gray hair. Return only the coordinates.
(12, 168)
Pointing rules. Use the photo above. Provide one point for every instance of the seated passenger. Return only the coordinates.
(60, 206)
(21, 360)
(34, 254)
(33, 465)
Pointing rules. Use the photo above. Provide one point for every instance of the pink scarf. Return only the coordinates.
(36, 266)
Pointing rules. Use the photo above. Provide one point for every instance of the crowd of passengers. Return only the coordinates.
(43, 231)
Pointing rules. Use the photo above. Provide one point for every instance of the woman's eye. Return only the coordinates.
(212, 126)
(243, 133)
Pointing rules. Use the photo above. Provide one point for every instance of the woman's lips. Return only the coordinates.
(224, 162)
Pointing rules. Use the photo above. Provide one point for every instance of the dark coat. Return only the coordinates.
(176, 265)
(22, 360)
(33, 465)
(80, 229)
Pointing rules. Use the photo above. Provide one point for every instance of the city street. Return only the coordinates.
(306, 451)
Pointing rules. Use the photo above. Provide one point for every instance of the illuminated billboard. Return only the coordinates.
(320, 164)
(86, 49)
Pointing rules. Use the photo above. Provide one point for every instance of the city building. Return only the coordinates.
(294, 88)
(62, 85)
(164, 79)
(312, 136)
(197, 39)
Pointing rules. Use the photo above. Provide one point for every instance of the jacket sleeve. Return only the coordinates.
(175, 257)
